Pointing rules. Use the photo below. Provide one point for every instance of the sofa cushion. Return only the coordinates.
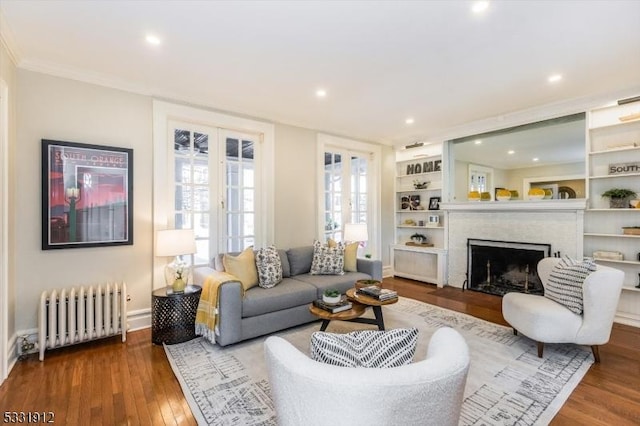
(350, 255)
(566, 280)
(339, 282)
(269, 267)
(327, 260)
(242, 266)
(300, 259)
(288, 293)
(284, 260)
(365, 348)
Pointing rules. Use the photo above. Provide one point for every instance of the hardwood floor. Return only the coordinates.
(107, 382)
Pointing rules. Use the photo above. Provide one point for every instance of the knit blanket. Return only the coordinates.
(207, 314)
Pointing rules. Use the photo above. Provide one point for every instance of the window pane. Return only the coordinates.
(183, 198)
(201, 143)
(233, 199)
(182, 140)
(247, 150)
(232, 149)
(202, 256)
(183, 221)
(233, 177)
(201, 198)
(201, 226)
(247, 200)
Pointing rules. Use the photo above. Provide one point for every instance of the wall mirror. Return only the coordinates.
(548, 154)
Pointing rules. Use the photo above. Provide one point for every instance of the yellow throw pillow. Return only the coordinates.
(242, 266)
(350, 255)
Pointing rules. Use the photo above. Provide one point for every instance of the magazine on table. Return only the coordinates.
(378, 293)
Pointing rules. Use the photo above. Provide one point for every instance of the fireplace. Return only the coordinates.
(500, 267)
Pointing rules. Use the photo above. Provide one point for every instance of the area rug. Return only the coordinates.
(507, 383)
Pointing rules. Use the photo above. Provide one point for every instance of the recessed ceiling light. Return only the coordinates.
(554, 78)
(536, 159)
(478, 141)
(321, 93)
(151, 39)
(409, 120)
(480, 6)
(511, 152)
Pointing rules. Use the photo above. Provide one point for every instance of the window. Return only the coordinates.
(349, 188)
(216, 181)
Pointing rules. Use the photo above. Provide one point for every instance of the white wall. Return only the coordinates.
(62, 109)
(66, 110)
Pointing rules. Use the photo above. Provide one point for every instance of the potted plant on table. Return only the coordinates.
(618, 198)
(331, 296)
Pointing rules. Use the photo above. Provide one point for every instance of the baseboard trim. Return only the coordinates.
(138, 320)
(628, 319)
(387, 271)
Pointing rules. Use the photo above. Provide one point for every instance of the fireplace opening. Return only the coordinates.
(500, 267)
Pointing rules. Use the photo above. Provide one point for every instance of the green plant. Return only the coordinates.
(619, 193)
(331, 292)
(368, 255)
(419, 237)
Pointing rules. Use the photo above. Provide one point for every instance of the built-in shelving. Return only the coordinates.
(612, 141)
(417, 211)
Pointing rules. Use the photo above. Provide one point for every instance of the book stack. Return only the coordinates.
(342, 305)
(381, 294)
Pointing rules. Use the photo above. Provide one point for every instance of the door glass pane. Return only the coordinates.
(240, 167)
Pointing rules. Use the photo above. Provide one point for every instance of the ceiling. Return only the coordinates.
(380, 62)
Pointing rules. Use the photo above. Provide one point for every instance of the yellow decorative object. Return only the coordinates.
(242, 266)
(514, 194)
(473, 196)
(536, 194)
(485, 196)
(503, 195)
(548, 193)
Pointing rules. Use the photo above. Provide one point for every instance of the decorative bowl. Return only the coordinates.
(473, 196)
(331, 300)
(536, 194)
(503, 197)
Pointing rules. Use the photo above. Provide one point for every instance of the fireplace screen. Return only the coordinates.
(500, 267)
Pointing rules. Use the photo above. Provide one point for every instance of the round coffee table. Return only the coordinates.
(376, 305)
(349, 315)
(360, 304)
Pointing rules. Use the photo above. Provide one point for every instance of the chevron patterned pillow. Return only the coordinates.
(365, 348)
(566, 280)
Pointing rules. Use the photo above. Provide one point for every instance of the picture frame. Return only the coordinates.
(87, 195)
(434, 203)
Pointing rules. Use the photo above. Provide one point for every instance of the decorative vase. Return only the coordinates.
(473, 196)
(367, 283)
(617, 203)
(178, 285)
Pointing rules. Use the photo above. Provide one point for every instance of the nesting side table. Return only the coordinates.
(173, 315)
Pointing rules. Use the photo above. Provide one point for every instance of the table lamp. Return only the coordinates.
(176, 242)
(356, 232)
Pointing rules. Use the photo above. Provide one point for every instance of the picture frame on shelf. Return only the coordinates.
(434, 203)
(87, 195)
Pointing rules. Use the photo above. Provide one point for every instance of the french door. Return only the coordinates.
(215, 189)
(346, 190)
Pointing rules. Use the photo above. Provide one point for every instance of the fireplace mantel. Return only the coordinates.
(517, 205)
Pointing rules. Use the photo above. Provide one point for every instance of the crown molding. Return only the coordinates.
(8, 41)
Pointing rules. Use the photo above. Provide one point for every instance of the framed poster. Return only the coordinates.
(87, 195)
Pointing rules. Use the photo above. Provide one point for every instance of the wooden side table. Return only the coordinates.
(173, 315)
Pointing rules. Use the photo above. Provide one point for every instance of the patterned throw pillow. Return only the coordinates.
(269, 267)
(365, 348)
(327, 260)
(566, 280)
(350, 255)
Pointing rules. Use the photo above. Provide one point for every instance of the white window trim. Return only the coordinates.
(324, 143)
(163, 112)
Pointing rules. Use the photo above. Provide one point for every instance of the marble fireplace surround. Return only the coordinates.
(556, 222)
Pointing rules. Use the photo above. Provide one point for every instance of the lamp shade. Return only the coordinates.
(174, 242)
(355, 232)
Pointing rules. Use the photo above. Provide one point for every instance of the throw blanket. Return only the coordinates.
(207, 314)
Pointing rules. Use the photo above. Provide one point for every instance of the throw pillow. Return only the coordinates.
(350, 255)
(327, 260)
(365, 348)
(300, 259)
(565, 282)
(269, 267)
(242, 266)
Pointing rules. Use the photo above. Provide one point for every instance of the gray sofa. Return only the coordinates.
(263, 311)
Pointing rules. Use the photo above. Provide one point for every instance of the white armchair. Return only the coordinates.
(546, 321)
(427, 392)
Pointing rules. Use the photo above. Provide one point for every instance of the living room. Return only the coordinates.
(96, 104)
